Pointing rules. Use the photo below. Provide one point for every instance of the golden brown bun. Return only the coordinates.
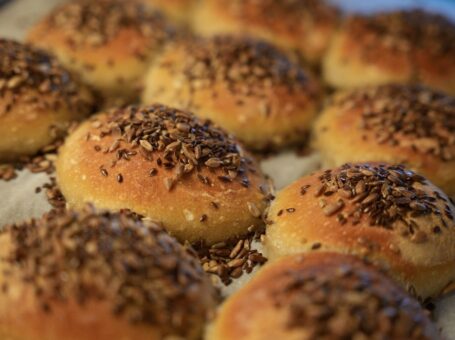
(37, 98)
(305, 26)
(397, 124)
(403, 47)
(244, 85)
(110, 43)
(387, 214)
(178, 10)
(321, 296)
(167, 165)
(92, 275)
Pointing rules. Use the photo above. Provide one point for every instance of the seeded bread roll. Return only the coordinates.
(178, 10)
(397, 124)
(38, 97)
(321, 296)
(166, 165)
(99, 276)
(404, 47)
(387, 214)
(110, 43)
(244, 85)
(304, 26)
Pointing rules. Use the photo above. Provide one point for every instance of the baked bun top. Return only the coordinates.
(109, 43)
(301, 25)
(409, 124)
(167, 165)
(414, 39)
(386, 213)
(142, 277)
(407, 116)
(29, 72)
(243, 63)
(321, 296)
(86, 23)
(179, 10)
(245, 85)
(407, 30)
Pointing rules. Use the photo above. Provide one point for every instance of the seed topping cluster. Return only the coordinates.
(406, 31)
(345, 301)
(230, 259)
(246, 66)
(389, 197)
(146, 275)
(95, 23)
(408, 116)
(171, 139)
(24, 68)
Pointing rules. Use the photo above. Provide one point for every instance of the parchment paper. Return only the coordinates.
(19, 200)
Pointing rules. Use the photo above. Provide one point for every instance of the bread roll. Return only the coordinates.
(92, 275)
(321, 296)
(38, 97)
(110, 43)
(177, 10)
(244, 85)
(388, 214)
(398, 124)
(409, 46)
(304, 26)
(166, 165)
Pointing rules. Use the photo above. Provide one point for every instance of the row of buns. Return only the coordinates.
(86, 273)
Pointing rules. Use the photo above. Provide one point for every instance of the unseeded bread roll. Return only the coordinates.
(398, 124)
(38, 97)
(244, 85)
(167, 165)
(110, 43)
(100, 276)
(321, 296)
(388, 214)
(304, 26)
(409, 46)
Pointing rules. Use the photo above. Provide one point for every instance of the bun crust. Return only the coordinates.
(99, 276)
(178, 10)
(387, 214)
(166, 165)
(397, 124)
(305, 26)
(244, 85)
(410, 46)
(38, 97)
(110, 43)
(313, 296)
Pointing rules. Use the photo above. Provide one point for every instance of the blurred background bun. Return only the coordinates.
(110, 43)
(303, 26)
(38, 99)
(409, 46)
